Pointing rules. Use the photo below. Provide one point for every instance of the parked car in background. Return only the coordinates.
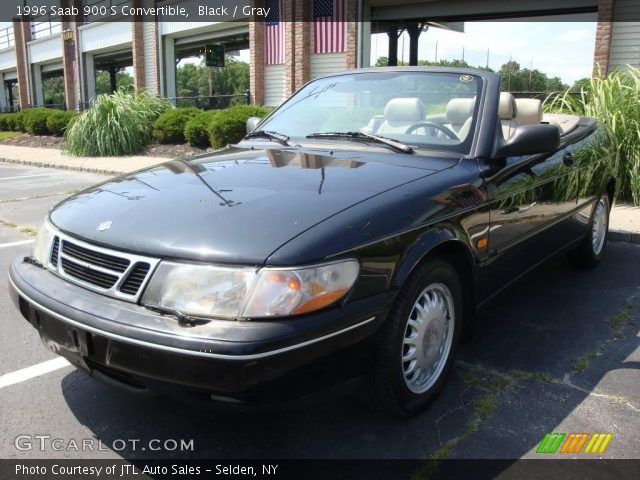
(348, 240)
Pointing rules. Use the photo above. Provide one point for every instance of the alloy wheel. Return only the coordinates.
(428, 337)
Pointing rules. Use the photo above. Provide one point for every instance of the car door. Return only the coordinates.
(531, 199)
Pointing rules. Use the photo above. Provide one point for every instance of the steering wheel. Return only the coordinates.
(437, 126)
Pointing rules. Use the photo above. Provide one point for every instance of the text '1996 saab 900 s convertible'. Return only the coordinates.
(348, 240)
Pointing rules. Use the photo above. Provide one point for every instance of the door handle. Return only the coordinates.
(568, 159)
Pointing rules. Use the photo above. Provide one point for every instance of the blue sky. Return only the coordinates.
(562, 49)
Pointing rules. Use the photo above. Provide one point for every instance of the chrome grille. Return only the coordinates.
(95, 258)
(54, 251)
(88, 274)
(136, 277)
(110, 272)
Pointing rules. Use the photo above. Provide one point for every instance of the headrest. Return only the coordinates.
(507, 109)
(529, 111)
(459, 109)
(404, 110)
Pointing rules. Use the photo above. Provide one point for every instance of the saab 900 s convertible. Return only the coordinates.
(348, 240)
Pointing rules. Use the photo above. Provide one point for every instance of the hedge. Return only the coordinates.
(229, 126)
(170, 126)
(59, 120)
(35, 120)
(12, 122)
(195, 130)
(215, 128)
(5, 118)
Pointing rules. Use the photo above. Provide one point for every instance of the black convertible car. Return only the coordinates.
(348, 240)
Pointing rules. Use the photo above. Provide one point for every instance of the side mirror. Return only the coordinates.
(530, 140)
(252, 123)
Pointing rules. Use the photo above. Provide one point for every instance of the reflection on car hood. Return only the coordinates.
(233, 206)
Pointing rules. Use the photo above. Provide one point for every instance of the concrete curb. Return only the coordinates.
(32, 163)
(626, 237)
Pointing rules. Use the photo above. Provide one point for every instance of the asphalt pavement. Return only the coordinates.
(560, 352)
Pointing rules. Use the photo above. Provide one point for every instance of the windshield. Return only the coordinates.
(421, 109)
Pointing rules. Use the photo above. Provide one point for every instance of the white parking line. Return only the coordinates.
(25, 176)
(15, 244)
(31, 372)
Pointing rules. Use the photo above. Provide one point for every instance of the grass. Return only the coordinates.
(584, 361)
(484, 405)
(617, 321)
(614, 101)
(29, 231)
(6, 135)
(116, 124)
(620, 318)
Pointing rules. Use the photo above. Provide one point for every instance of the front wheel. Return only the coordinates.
(592, 249)
(417, 344)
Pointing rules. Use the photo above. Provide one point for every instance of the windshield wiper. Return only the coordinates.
(401, 147)
(278, 137)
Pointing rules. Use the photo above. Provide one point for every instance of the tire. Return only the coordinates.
(592, 249)
(392, 386)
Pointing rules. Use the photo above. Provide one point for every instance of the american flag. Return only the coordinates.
(329, 26)
(274, 32)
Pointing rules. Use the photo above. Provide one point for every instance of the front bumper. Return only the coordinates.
(240, 362)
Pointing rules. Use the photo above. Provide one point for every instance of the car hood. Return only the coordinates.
(237, 205)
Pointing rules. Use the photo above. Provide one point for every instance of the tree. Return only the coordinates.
(514, 78)
(103, 81)
(510, 74)
(581, 84)
(193, 80)
(53, 90)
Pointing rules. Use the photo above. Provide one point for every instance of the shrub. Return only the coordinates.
(35, 120)
(116, 124)
(4, 117)
(613, 100)
(59, 120)
(15, 122)
(196, 129)
(169, 127)
(229, 126)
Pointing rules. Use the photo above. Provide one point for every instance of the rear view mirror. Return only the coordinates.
(530, 140)
(252, 123)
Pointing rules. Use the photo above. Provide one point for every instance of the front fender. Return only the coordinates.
(427, 242)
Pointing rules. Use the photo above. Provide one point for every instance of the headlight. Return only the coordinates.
(202, 290)
(42, 247)
(280, 292)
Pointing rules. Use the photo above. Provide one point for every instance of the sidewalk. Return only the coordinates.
(53, 157)
(624, 223)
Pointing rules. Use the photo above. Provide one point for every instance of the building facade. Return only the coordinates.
(74, 48)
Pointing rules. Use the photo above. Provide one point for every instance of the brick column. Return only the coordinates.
(289, 48)
(256, 57)
(152, 59)
(602, 52)
(137, 46)
(302, 43)
(352, 33)
(22, 34)
(70, 54)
